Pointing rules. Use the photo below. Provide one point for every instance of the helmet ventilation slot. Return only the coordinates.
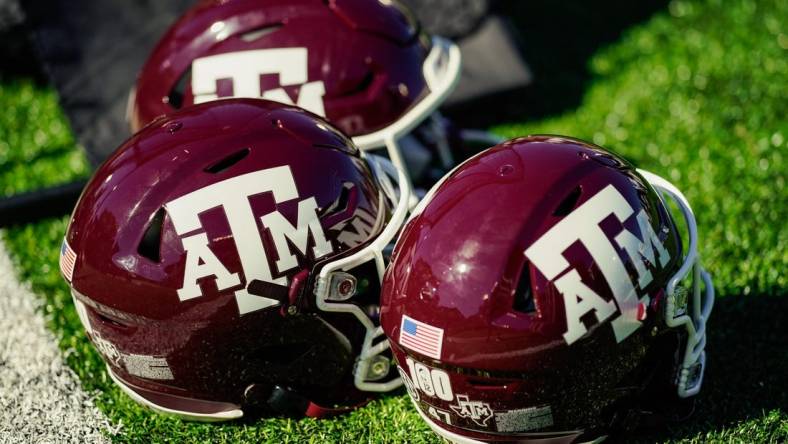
(227, 162)
(255, 34)
(487, 383)
(523, 296)
(175, 97)
(269, 290)
(110, 320)
(149, 246)
(363, 85)
(569, 202)
(341, 203)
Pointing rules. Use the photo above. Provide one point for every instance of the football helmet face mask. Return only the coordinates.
(364, 65)
(228, 258)
(550, 315)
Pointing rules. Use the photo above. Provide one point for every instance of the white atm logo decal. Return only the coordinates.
(546, 254)
(244, 69)
(233, 196)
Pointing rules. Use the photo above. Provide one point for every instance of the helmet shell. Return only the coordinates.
(175, 230)
(358, 63)
(467, 294)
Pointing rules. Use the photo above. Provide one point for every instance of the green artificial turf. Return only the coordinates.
(697, 93)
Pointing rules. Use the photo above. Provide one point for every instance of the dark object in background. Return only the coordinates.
(10, 14)
(92, 52)
(454, 19)
(492, 62)
(49, 202)
(16, 51)
(559, 39)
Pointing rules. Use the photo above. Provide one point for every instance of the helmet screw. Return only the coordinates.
(343, 286)
(291, 310)
(346, 288)
(380, 368)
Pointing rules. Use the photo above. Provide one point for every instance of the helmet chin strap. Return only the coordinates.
(677, 314)
(370, 366)
(284, 401)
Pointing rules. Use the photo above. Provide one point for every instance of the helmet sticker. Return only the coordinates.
(68, 259)
(440, 415)
(479, 412)
(421, 337)
(233, 196)
(435, 384)
(149, 367)
(144, 366)
(583, 224)
(523, 420)
(244, 69)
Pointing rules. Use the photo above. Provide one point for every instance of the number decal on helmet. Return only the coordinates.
(431, 381)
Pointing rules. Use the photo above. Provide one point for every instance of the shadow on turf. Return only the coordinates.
(747, 363)
(747, 355)
(557, 39)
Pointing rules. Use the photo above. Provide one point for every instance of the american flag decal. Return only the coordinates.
(421, 337)
(67, 260)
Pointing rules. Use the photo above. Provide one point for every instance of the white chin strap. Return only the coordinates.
(678, 314)
(371, 353)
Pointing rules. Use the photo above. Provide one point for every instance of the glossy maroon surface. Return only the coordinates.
(368, 54)
(213, 352)
(460, 266)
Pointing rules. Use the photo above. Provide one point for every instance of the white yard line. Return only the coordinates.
(41, 399)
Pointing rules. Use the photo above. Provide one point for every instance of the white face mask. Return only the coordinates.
(442, 72)
(689, 309)
(395, 186)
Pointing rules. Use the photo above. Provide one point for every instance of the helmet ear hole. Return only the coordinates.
(176, 95)
(150, 243)
(568, 204)
(362, 86)
(523, 296)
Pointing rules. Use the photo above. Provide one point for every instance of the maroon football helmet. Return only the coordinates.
(536, 295)
(228, 259)
(363, 64)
